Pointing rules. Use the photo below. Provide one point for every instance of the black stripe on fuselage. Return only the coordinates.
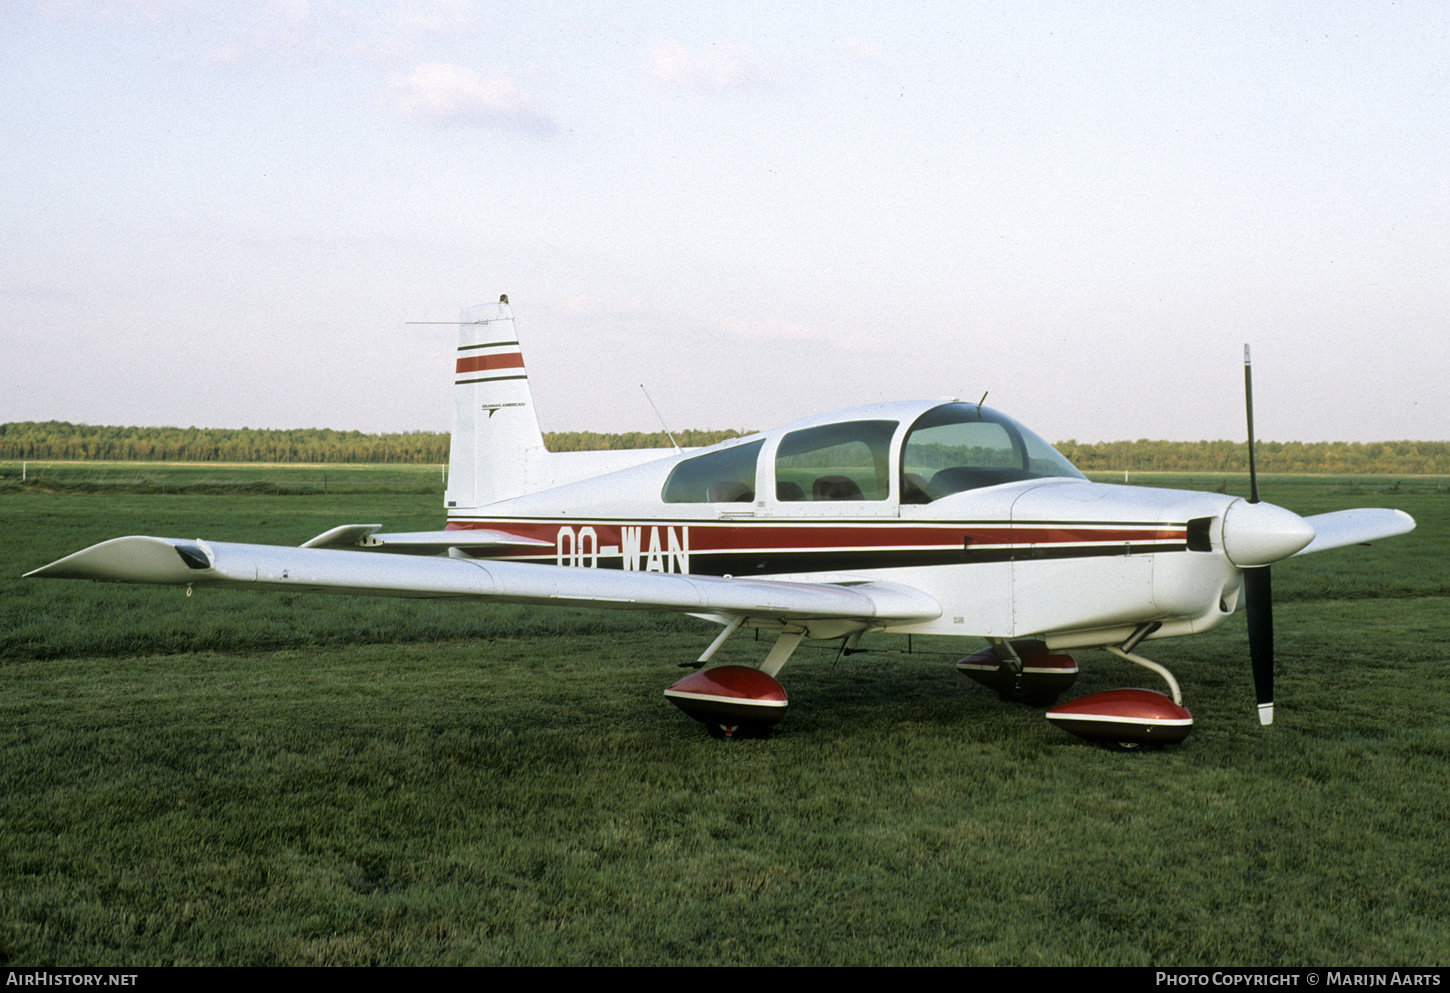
(765, 562)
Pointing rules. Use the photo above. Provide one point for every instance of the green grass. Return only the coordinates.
(1282, 483)
(238, 778)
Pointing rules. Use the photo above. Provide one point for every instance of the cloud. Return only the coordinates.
(428, 16)
(155, 11)
(262, 31)
(723, 66)
(772, 328)
(441, 93)
(864, 50)
(395, 34)
(259, 32)
(779, 330)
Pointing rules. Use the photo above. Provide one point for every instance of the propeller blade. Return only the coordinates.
(1258, 591)
(1249, 406)
(1259, 604)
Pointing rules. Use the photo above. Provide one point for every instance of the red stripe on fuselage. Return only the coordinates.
(711, 536)
(481, 363)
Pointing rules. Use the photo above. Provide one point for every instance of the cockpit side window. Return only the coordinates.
(959, 446)
(850, 461)
(726, 476)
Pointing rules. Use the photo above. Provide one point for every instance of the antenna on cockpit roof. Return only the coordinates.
(980, 402)
(662, 420)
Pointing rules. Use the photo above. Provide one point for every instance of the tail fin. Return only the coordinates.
(495, 429)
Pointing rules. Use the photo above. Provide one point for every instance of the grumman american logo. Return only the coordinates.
(640, 552)
(494, 408)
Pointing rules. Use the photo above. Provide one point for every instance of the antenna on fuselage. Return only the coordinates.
(980, 402)
(662, 420)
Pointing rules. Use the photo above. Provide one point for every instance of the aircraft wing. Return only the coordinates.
(1354, 527)
(177, 561)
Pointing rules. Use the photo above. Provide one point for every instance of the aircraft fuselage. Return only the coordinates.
(1009, 543)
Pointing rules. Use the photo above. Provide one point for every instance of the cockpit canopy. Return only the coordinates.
(960, 446)
(951, 448)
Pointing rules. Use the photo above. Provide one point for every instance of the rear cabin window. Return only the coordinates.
(958, 446)
(726, 476)
(848, 461)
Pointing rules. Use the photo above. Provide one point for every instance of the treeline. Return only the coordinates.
(594, 441)
(1378, 457)
(62, 440)
(59, 440)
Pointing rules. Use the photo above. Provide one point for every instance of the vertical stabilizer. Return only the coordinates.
(495, 429)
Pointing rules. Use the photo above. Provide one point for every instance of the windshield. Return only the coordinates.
(960, 446)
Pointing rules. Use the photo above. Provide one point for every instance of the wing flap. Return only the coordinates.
(175, 561)
(1353, 527)
(364, 537)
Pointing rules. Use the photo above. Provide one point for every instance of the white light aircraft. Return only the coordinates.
(940, 518)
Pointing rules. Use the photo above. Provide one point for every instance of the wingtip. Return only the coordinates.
(132, 559)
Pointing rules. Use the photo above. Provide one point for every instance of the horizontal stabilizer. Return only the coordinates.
(1353, 527)
(364, 537)
(346, 536)
(177, 561)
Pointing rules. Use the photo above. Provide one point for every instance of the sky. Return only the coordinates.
(226, 215)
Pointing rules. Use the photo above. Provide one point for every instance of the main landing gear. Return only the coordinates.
(1021, 672)
(736, 701)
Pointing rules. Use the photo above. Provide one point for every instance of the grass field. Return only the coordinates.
(238, 778)
(217, 478)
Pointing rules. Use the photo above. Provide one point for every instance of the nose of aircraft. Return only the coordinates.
(1257, 534)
